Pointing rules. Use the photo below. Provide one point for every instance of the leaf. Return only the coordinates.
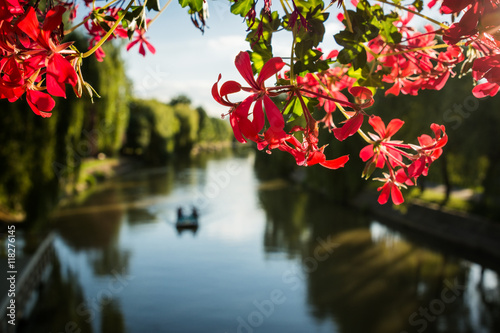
(195, 5)
(153, 5)
(260, 56)
(294, 109)
(418, 4)
(241, 7)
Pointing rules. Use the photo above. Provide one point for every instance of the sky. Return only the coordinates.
(187, 62)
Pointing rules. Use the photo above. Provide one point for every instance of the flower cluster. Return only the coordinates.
(33, 57)
(101, 20)
(479, 26)
(35, 61)
(404, 162)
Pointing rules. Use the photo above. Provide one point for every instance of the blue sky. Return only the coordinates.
(187, 62)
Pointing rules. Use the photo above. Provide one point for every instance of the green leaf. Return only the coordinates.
(242, 7)
(419, 4)
(153, 5)
(195, 5)
(261, 54)
(293, 109)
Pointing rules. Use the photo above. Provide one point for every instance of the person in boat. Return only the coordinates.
(194, 214)
(180, 215)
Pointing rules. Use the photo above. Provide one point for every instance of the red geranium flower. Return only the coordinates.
(263, 106)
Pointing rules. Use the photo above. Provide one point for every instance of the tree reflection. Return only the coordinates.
(112, 318)
(375, 282)
(56, 307)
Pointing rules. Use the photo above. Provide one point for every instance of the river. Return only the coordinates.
(267, 257)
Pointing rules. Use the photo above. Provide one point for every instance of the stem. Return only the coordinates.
(442, 25)
(109, 33)
(70, 30)
(159, 13)
(333, 99)
(280, 88)
(438, 46)
(109, 4)
(347, 18)
(292, 60)
(289, 7)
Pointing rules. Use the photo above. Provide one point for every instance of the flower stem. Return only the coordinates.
(109, 33)
(292, 60)
(70, 30)
(442, 25)
(347, 18)
(159, 13)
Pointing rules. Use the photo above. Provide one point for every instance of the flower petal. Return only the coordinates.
(350, 127)
(378, 125)
(273, 114)
(366, 153)
(236, 129)
(29, 24)
(336, 163)
(273, 66)
(244, 66)
(385, 194)
(40, 102)
(59, 72)
(397, 196)
(393, 127)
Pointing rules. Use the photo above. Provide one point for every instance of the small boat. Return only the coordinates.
(187, 222)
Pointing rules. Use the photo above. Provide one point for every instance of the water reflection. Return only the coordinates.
(376, 280)
(338, 270)
(56, 304)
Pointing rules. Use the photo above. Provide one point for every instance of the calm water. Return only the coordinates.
(266, 258)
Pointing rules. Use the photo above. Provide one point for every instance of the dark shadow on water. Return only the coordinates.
(57, 304)
(373, 279)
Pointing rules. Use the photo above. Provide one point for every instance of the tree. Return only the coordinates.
(379, 48)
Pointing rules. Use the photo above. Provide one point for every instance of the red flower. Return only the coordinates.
(383, 148)
(59, 70)
(263, 106)
(141, 39)
(391, 188)
(41, 103)
(362, 96)
(307, 152)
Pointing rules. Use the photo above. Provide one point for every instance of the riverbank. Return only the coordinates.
(465, 232)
